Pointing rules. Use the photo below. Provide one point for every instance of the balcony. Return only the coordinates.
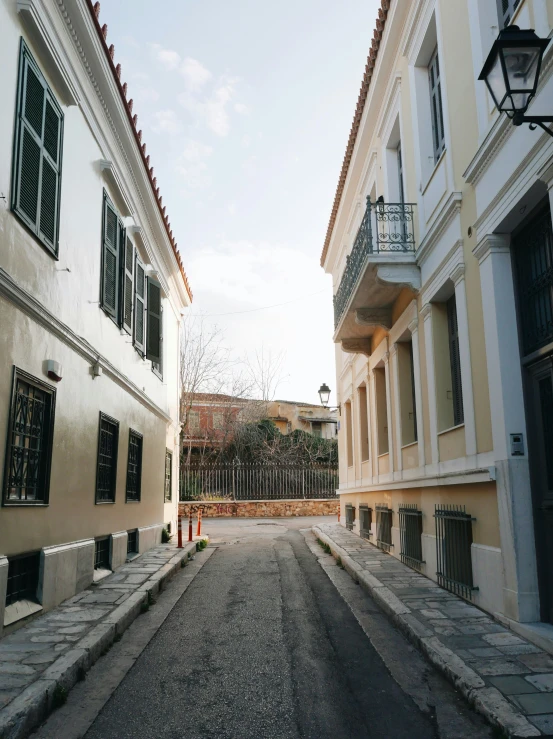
(382, 262)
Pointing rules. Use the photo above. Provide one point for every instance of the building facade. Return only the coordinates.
(317, 420)
(92, 292)
(440, 249)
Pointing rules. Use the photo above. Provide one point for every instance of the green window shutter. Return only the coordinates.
(154, 324)
(110, 259)
(128, 286)
(37, 154)
(139, 305)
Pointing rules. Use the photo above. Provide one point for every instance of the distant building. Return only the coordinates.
(314, 419)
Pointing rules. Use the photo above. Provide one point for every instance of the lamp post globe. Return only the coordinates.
(324, 394)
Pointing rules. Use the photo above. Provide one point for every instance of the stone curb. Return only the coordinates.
(36, 702)
(486, 700)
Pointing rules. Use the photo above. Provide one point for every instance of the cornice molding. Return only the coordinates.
(451, 208)
(426, 311)
(492, 244)
(413, 326)
(33, 308)
(457, 274)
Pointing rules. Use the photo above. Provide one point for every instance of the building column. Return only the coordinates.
(397, 406)
(458, 278)
(389, 419)
(514, 498)
(426, 313)
(370, 402)
(414, 329)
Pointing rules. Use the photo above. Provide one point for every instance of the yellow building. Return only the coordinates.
(313, 419)
(440, 249)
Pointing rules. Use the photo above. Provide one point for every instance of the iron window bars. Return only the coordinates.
(350, 516)
(132, 541)
(393, 227)
(134, 467)
(453, 549)
(168, 493)
(384, 527)
(102, 553)
(29, 447)
(365, 521)
(106, 474)
(410, 529)
(23, 573)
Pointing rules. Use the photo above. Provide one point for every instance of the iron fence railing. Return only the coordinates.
(453, 549)
(384, 527)
(386, 227)
(350, 516)
(365, 521)
(410, 530)
(257, 482)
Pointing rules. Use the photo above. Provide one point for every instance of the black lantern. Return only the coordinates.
(512, 71)
(324, 394)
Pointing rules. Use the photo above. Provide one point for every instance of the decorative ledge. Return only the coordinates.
(112, 178)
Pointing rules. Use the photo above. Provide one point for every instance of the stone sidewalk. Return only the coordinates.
(40, 662)
(503, 676)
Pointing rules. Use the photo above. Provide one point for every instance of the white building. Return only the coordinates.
(92, 292)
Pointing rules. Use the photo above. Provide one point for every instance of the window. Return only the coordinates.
(436, 106)
(217, 420)
(384, 527)
(453, 549)
(317, 429)
(127, 287)
(506, 10)
(194, 421)
(407, 404)
(168, 476)
(400, 174)
(154, 327)
(456, 387)
(132, 542)
(139, 306)
(363, 423)
(350, 516)
(113, 236)
(38, 144)
(365, 521)
(107, 459)
(134, 467)
(23, 572)
(410, 529)
(29, 449)
(102, 554)
(349, 433)
(381, 410)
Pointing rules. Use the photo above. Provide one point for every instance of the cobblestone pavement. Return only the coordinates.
(36, 658)
(510, 672)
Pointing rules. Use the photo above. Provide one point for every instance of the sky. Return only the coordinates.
(246, 108)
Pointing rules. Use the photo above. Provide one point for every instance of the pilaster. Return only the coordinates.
(426, 313)
(414, 329)
(389, 419)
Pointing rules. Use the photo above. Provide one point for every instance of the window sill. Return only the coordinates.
(132, 501)
(452, 428)
(19, 610)
(105, 502)
(132, 556)
(22, 504)
(384, 454)
(411, 443)
(425, 187)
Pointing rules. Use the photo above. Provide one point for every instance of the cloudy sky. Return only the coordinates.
(245, 108)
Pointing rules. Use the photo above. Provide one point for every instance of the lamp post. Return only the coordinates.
(324, 395)
(511, 73)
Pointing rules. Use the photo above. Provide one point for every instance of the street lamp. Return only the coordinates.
(511, 73)
(324, 394)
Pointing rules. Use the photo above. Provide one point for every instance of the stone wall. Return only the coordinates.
(263, 508)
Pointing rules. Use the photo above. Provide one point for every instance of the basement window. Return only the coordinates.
(102, 558)
(132, 542)
(22, 587)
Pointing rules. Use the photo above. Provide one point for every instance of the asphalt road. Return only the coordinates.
(270, 640)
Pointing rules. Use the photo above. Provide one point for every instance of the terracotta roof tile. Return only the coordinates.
(371, 59)
(94, 9)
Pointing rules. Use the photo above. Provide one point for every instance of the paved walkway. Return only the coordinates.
(506, 677)
(41, 661)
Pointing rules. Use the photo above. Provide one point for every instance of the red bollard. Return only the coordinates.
(190, 537)
(199, 527)
(179, 527)
(338, 515)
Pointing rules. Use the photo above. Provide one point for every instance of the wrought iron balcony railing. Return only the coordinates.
(393, 228)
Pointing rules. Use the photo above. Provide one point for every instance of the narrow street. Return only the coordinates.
(269, 640)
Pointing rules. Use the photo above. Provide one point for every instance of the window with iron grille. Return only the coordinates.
(365, 521)
(106, 474)
(350, 516)
(410, 529)
(384, 527)
(506, 10)
(38, 144)
(132, 541)
(23, 572)
(455, 360)
(168, 476)
(29, 448)
(436, 112)
(453, 549)
(102, 556)
(134, 466)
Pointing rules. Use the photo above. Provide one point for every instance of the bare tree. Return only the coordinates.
(265, 370)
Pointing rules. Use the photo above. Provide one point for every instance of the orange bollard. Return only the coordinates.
(338, 515)
(190, 537)
(199, 527)
(179, 526)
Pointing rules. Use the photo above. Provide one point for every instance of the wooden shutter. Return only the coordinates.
(127, 286)
(154, 323)
(110, 259)
(139, 305)
(456, 385)
(37, 154)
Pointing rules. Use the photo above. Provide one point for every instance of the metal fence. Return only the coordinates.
(453, 549)
(384, 527)
(410, 529)
(256, 482)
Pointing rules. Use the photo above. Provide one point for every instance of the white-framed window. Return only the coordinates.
(217, 420)
(436, 110)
